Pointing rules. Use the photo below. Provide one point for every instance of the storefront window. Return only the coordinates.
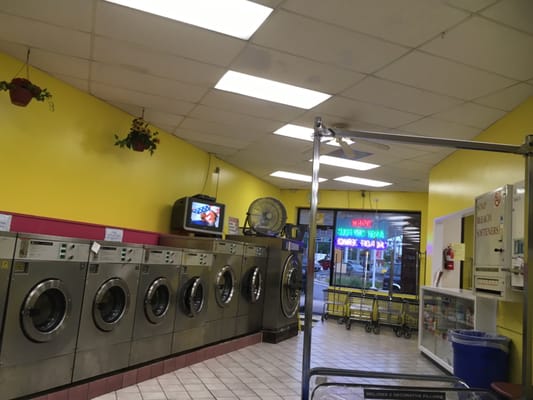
(373, 249)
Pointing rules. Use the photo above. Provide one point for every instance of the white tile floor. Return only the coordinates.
(274, 371)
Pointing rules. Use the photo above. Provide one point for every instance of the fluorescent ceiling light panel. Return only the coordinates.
(307, 134)
(345, 163)
(295, 132)
(237, 18)
(362, 181)
(265, 89)
(294, 177)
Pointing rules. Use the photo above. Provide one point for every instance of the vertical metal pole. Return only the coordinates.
(306, 362)
(528, 273)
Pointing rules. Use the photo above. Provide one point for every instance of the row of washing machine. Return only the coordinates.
(73, 309)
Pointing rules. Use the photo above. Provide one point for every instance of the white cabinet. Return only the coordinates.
(442, 309)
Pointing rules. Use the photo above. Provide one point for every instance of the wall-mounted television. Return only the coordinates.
(198, 214)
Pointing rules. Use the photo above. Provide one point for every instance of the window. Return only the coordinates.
(373, 249)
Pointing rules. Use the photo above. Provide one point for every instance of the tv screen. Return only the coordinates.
(198, 215)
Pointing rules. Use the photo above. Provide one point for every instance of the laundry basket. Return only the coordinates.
(479, 358)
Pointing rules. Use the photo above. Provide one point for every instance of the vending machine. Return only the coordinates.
(493, 244)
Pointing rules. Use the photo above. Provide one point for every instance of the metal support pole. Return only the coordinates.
(527, 321)
(306, 362)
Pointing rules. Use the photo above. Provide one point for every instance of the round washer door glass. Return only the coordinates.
(193, 297)
(111, 302)
(255, 285)
(45, 310)
(291, 281)
(224, 286)
(157, 300)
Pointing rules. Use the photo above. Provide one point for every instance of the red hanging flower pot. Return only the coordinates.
(21, 91)
(20, 96)
(138, 145)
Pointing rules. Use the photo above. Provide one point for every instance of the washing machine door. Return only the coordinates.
(193, 298)
(291, 283)
(254, 285)
(111, 303)
(224, 286)
(45, 310)
(157, 300)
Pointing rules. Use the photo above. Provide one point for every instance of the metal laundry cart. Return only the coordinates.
(526, 149)
(335, 384)
(361, 307)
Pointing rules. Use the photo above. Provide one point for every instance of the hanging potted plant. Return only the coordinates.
(21, 91)
(140, 137)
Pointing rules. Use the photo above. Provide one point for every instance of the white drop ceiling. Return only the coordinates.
(425, 67)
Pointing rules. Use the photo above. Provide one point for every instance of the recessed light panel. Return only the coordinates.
(307, 134)
(237, 18)
(362, 181)
(346, 163)
(294, 177)
(266, 89)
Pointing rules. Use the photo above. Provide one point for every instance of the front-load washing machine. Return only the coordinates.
(252, 290)
(156, 304)
(107, 315)
(42, 314)
(223, 283)
(7, 249)
(190, 323)
(283, 286)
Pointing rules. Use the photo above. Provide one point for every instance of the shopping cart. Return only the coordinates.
(335, 384)
(389, 312)
(334, 301)
(362, 308)
(409, 319)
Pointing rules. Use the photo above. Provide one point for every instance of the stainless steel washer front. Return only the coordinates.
(43, 313)
(156, 304)
(252, 290)
(107, 315)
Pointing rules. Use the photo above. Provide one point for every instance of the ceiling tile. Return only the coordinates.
(487, 45)
(165, 35)
(81, 84)
(407, 22)
(234, 133)
(126, 96)
(53, 63)
(436, 74)
(35, 34)
(213, 148)
(231, 119)
(208, 138)
(470, 5)
(146, 60)
(250, 106)
(471, 114)
(121, 77)
(515, 13)
(355, 110)
(325, 43)
(400, 97)
(443, 129)
(509, 98)
(73, 14)
(282, 67)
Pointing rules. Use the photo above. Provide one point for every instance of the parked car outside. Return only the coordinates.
(396, 279)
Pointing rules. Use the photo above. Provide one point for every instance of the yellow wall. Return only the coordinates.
(63, 164)
(465, 174)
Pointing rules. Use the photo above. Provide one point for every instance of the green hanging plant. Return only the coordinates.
(140, 137)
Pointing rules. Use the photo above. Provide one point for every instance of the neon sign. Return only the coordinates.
(361, 243)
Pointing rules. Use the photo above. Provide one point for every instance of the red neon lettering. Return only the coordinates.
(362, 223)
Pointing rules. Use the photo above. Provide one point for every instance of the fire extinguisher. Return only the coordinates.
(447, 258)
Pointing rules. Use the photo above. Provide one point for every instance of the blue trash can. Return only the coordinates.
(479, 358)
